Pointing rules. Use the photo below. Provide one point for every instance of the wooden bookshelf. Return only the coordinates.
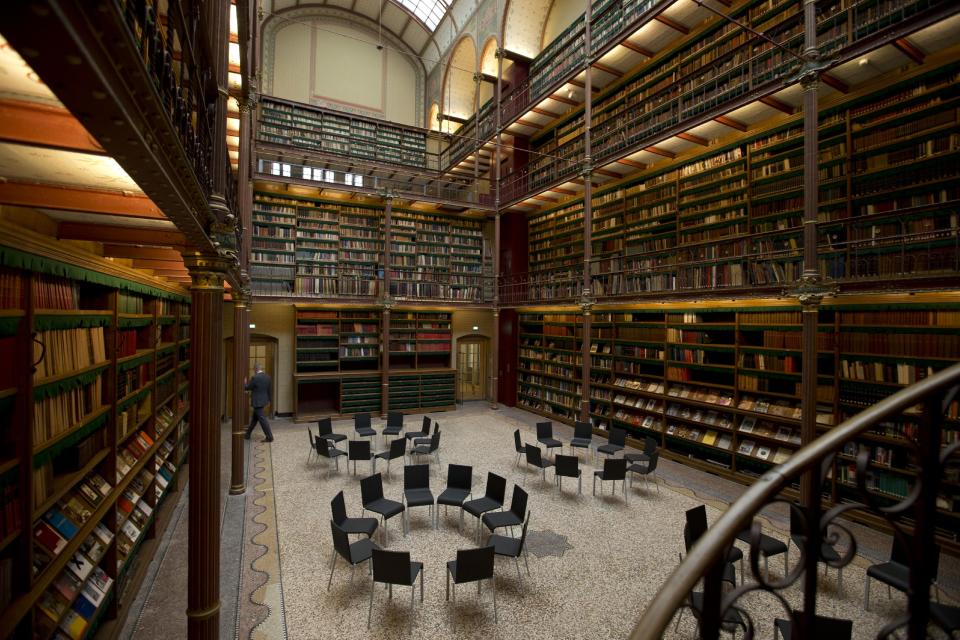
(97, 434)
(550, 363)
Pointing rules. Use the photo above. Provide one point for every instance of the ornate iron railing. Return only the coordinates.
(706, 559)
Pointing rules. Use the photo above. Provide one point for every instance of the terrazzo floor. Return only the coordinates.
(595, 562)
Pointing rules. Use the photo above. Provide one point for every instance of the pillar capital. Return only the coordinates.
(206, 271)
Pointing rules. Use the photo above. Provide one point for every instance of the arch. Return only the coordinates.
(459, 92)
(488, 66)
(432, 123)
(522, 28)
(562, 14)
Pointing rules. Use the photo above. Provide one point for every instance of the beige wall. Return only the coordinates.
(337, 65)
(562, 15)
(275, 320)
(463, 323)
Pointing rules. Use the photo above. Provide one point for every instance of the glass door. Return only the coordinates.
(471, 369)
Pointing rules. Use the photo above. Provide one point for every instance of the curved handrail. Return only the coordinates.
(720, 536)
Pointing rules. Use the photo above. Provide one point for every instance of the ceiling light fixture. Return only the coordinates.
(863, 61)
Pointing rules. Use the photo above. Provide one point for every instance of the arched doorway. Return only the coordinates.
(263, 350)
(471, 363)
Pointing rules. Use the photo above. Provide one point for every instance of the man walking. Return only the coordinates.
(261, 392)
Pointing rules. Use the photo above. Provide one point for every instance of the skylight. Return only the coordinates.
(430, 12)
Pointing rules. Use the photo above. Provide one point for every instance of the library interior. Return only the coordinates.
(698, 258)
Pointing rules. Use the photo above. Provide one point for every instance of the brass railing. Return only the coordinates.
(705, 560)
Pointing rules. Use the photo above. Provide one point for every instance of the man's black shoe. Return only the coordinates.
(267, 440)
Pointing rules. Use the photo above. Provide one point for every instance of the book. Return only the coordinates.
(746, 447)
(84, 607)
(74, 625)
(710, 437)
(48, 537)
(64, 526)
(763, 452)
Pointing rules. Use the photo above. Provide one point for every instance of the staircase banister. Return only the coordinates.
(673, 593)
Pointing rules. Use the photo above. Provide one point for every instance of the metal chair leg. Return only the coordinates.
(866, 594)
(495, 616)
(333, 564)
(370, 608)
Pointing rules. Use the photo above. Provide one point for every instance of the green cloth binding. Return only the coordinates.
(9, 326)
(16, 259)
(51, 389)
(131, 323)
(136, 398)
(59, 323)
(68, 441)
(130, 364)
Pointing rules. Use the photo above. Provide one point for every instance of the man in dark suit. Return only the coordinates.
(261, 392)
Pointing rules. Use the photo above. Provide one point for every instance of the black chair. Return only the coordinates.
(946, 617)
(325, 427)
(649, 446)
(423, 433)
(360, 450)
(582, 436)
(416, 490)
(354, 553)
(459, 488)
(694, 528)
(394, 424)
(616, 442)
(769, 547)
(828, 553)
(732, 618)
(364, 526)
(395, 567)
(613, 469)
(896, 571)
(823, 628)
(371, 496)
(518, 507)
(513, 547)
(568, 467)
(427, 450)
(473, 565)
(646, 469)
(536, 459)
(426, 440)
(361, 424)
(398, 449)
(545, 436)
(492, 499)
(518, 445)
(331, 453)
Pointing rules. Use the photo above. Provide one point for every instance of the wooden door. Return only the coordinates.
(262, 350)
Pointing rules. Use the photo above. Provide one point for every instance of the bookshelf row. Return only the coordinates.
(326, 248)
(93, 435)
(720, 384)
(323, 130)
(346, 394)
(351, 339)
(732, 216)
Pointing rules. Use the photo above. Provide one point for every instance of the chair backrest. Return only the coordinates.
(340, 541)
(395, 419)
(359, 450)
(567, 465)
(823, 627)
(425, 429)
(618, 437)
(516, 441)
(325, 426)
(544, 430)
(460, 476)
(523, 532)
(416, 476)
(695, 526)
(533, 454)
(371, 488)
(614, 468)
(652, 462)
(391, 567)
(338, 508)
(397, 448)
(496, 487)
(434, 441)
(475, 564)
(361, 420)
(649, 445)
(583, 430)
(900, 554)
(323, 446)
(518, 503)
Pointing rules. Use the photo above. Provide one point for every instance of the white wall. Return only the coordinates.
(333, 64)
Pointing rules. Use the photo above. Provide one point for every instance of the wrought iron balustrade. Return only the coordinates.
(913, 517)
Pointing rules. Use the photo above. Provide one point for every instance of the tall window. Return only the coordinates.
(430, 12)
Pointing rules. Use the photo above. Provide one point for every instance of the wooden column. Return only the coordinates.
(244, 186)
(498, 97)
(206, 370)
(587, 297)
(218, 24)
(241, 351)
(385, 298)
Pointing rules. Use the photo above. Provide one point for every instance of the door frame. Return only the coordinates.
(485, 358)
(228, 378)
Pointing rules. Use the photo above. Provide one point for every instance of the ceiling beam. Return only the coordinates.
(527, 123)
(616, 73)
(44, 126)
(661, 152)
(140, 253)
(632, 163)
(544, 112)
(580, 85)
(837, 84)
(910, 50)
(45, 196)
(779, 105)
(564, 192)
(730, 122)
(626, 44)
(513, 56)
(545, 198)
(119, 235)
(564, 100)
(673, 24)
(689, 137)
(608, 173)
